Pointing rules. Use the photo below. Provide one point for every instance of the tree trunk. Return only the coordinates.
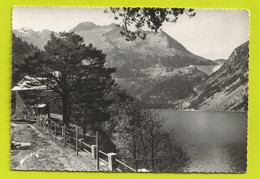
(134, 152)
(69, 110)
(144, 148)
(152, 147)
(65, 110)
(84, 125)
(48, 110)
(139, 118)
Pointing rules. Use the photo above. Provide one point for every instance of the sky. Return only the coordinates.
(212, 34)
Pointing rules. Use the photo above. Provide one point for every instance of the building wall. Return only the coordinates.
(20, 106)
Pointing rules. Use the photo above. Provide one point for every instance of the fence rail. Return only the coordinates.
(130, 168)
(87, 151)
(54, 129)
(103, 152)
(103, 161)
(89, 146)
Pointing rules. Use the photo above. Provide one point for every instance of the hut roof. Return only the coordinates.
(39, 106)
(30, 83)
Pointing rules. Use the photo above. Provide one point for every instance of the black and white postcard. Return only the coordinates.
(129, 89)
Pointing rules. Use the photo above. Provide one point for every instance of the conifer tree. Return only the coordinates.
(95, 91)
(67, 66)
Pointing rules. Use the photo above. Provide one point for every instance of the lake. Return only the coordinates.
(214, 141)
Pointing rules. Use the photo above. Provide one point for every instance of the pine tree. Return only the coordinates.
(67, 66)
(95, 92)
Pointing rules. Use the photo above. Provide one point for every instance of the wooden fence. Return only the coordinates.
(73, 137)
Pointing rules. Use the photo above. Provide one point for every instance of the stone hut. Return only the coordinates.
(34, 99)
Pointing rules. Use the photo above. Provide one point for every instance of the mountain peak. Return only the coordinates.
(26, 29)
(85, 26)
(112, 25)
(159, 46)
(172, 43)
(162, 33)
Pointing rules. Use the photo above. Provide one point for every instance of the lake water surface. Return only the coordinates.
(214, 141)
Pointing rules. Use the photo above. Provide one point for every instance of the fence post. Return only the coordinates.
(51, 128)
(111, 158)
(93, 151)
(51, 131)
(64, 134)
(55, 130)
(62, 131)
(40, 122)
(47, 128)
(44, 125)
(97, 151)
(77, 138)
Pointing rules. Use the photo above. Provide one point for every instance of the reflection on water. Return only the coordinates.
(215, 141)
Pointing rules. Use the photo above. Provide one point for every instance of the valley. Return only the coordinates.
(160, 71)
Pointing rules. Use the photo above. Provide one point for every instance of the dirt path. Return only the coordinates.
(46, 153)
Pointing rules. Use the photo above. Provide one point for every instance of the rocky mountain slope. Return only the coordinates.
(165, 90)
(37, 38)
(142, 65)
(158, 48)
(227, 88)
(128, 56)
(162, 72)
